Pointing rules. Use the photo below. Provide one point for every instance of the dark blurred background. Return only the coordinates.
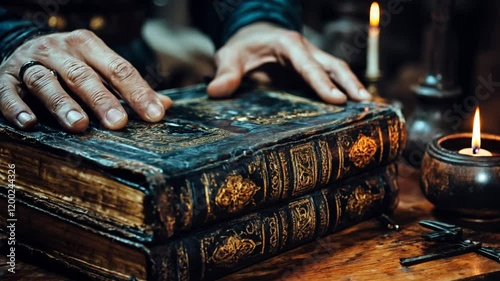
(474, 48)
(340, 26)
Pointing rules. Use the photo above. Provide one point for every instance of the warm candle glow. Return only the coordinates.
(476, 150)
(372, 68)
(476, 131)
(374, 14)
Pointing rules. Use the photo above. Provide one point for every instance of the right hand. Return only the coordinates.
(82, 62)
(262, 43)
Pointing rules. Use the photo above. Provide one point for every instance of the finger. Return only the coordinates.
(341, 73)
(229, 74)
(260, 77)
(86, 84)
(44, 85)
(122, 76)
(165, 101)
(293, 49)
(13, 108)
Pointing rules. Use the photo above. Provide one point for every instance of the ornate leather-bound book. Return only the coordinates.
(209, 160)
(56, 233)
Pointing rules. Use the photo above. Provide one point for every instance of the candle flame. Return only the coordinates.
(374, 14)
(476, 131)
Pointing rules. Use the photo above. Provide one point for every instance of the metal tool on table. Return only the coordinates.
(450, 233)
(388, 222)
(450, 251)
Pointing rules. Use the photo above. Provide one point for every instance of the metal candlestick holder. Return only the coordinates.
(437, 89)
(372, 86)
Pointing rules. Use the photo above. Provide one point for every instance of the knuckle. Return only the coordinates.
(9, 66)
(77, 73)
(4, 89)
(57, 101)
(290, 37)
(44, 44)
(139, 95)
(99, 98)
(121, 69)
(309, 67)
(220, 54)
(9, 105)
(343, 64)
(36, 78)
(80, 36)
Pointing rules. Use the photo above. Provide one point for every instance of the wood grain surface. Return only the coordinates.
(364, 252)
(370, 252)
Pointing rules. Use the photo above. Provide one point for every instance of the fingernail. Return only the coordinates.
(74, 116)
(114, 116)
(363, 94)
(24, 118)
(336, 93)
(154, 111)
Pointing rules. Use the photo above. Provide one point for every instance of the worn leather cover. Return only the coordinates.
(209, 160)
(211, 252)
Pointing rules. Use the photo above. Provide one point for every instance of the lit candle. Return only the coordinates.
(372, 70)
(476, 150)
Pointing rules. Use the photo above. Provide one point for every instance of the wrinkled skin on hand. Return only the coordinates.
(88, 68)
(263, 43)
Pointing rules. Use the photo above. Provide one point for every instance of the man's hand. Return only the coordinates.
(261, 43)
(84, 64)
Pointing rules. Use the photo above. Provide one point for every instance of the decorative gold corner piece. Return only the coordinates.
(232, 249)
(236, 193)
(305, 168)
(362, 151)
(360, 200)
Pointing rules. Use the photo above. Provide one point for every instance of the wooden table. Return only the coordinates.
(369, 252)
(366, 251)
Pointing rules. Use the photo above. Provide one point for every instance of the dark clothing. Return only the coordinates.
(15, 31)
(220, 19)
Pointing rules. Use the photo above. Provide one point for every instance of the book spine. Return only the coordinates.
(240, 242)
(280, 172)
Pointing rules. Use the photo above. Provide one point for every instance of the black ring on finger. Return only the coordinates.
(25, 67)
(53, 72)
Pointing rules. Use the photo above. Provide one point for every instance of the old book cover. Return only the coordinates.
(206, 254)
(207, 161)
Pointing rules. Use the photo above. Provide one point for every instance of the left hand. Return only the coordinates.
(262, 43)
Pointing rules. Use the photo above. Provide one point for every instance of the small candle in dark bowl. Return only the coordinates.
(463, 178)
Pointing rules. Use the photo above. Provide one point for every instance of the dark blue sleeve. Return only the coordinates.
(14, 31)
(220, 19)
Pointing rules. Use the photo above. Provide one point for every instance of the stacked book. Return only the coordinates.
(216, 186)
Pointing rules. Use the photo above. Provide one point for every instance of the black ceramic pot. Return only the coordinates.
(464, 185)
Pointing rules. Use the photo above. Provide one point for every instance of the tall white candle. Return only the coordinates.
(372, 62)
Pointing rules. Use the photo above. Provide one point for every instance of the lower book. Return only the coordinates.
(209, 253)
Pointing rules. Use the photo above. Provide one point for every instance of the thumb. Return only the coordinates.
(228, 76)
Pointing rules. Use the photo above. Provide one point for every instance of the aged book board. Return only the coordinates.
(209, 253)
(207, 161)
